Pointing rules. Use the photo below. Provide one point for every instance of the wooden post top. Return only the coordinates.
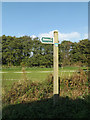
(56, 31)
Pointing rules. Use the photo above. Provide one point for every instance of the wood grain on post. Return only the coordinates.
(55, 82)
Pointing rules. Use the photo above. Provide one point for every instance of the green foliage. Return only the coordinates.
(32, 52)
(67, 108)
(75, 85)
(28, 100)
(27, 90)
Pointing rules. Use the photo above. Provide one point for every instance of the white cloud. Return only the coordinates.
(33, 36)
(73, 36)
(69, 36)
(85, 36)
(50, 34)
(89, 35)
(20, 35)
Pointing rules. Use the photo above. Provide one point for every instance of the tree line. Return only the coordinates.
(31, 52)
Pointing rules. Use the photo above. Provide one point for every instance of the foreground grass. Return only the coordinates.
(66, 108)
(28, 99)
(34, 74)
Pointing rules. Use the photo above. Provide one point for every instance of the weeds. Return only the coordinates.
(28, 91)
(75, 86)
(27, 99)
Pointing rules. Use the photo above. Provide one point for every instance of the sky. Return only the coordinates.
(37, 19)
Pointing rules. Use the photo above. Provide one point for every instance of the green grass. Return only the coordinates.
(38, 69)
(28, 100)
(33, 98)
(19, 76)
(26, 68)
(7, 84)
(36, 74)
(67, 108)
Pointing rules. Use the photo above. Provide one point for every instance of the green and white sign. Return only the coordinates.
(47, 40)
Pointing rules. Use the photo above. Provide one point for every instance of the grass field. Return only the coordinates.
(34, 73)
(32, 97)
(14, 74)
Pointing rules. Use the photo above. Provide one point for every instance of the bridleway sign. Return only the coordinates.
(47, 40)
(54, 41)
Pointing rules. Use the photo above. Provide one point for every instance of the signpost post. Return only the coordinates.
(55, 62)
(54, 41)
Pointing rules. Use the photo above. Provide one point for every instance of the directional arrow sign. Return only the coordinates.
(47, 40)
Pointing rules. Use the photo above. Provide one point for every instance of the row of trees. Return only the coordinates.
(31, 52)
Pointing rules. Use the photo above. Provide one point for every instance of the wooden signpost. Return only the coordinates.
(54, 41)
(55, 62)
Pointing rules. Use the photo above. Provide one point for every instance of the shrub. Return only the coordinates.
(27, 90)
(24, 91)
(75, 85)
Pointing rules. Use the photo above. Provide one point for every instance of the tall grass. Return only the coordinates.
(28, 99)
(73, 86)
